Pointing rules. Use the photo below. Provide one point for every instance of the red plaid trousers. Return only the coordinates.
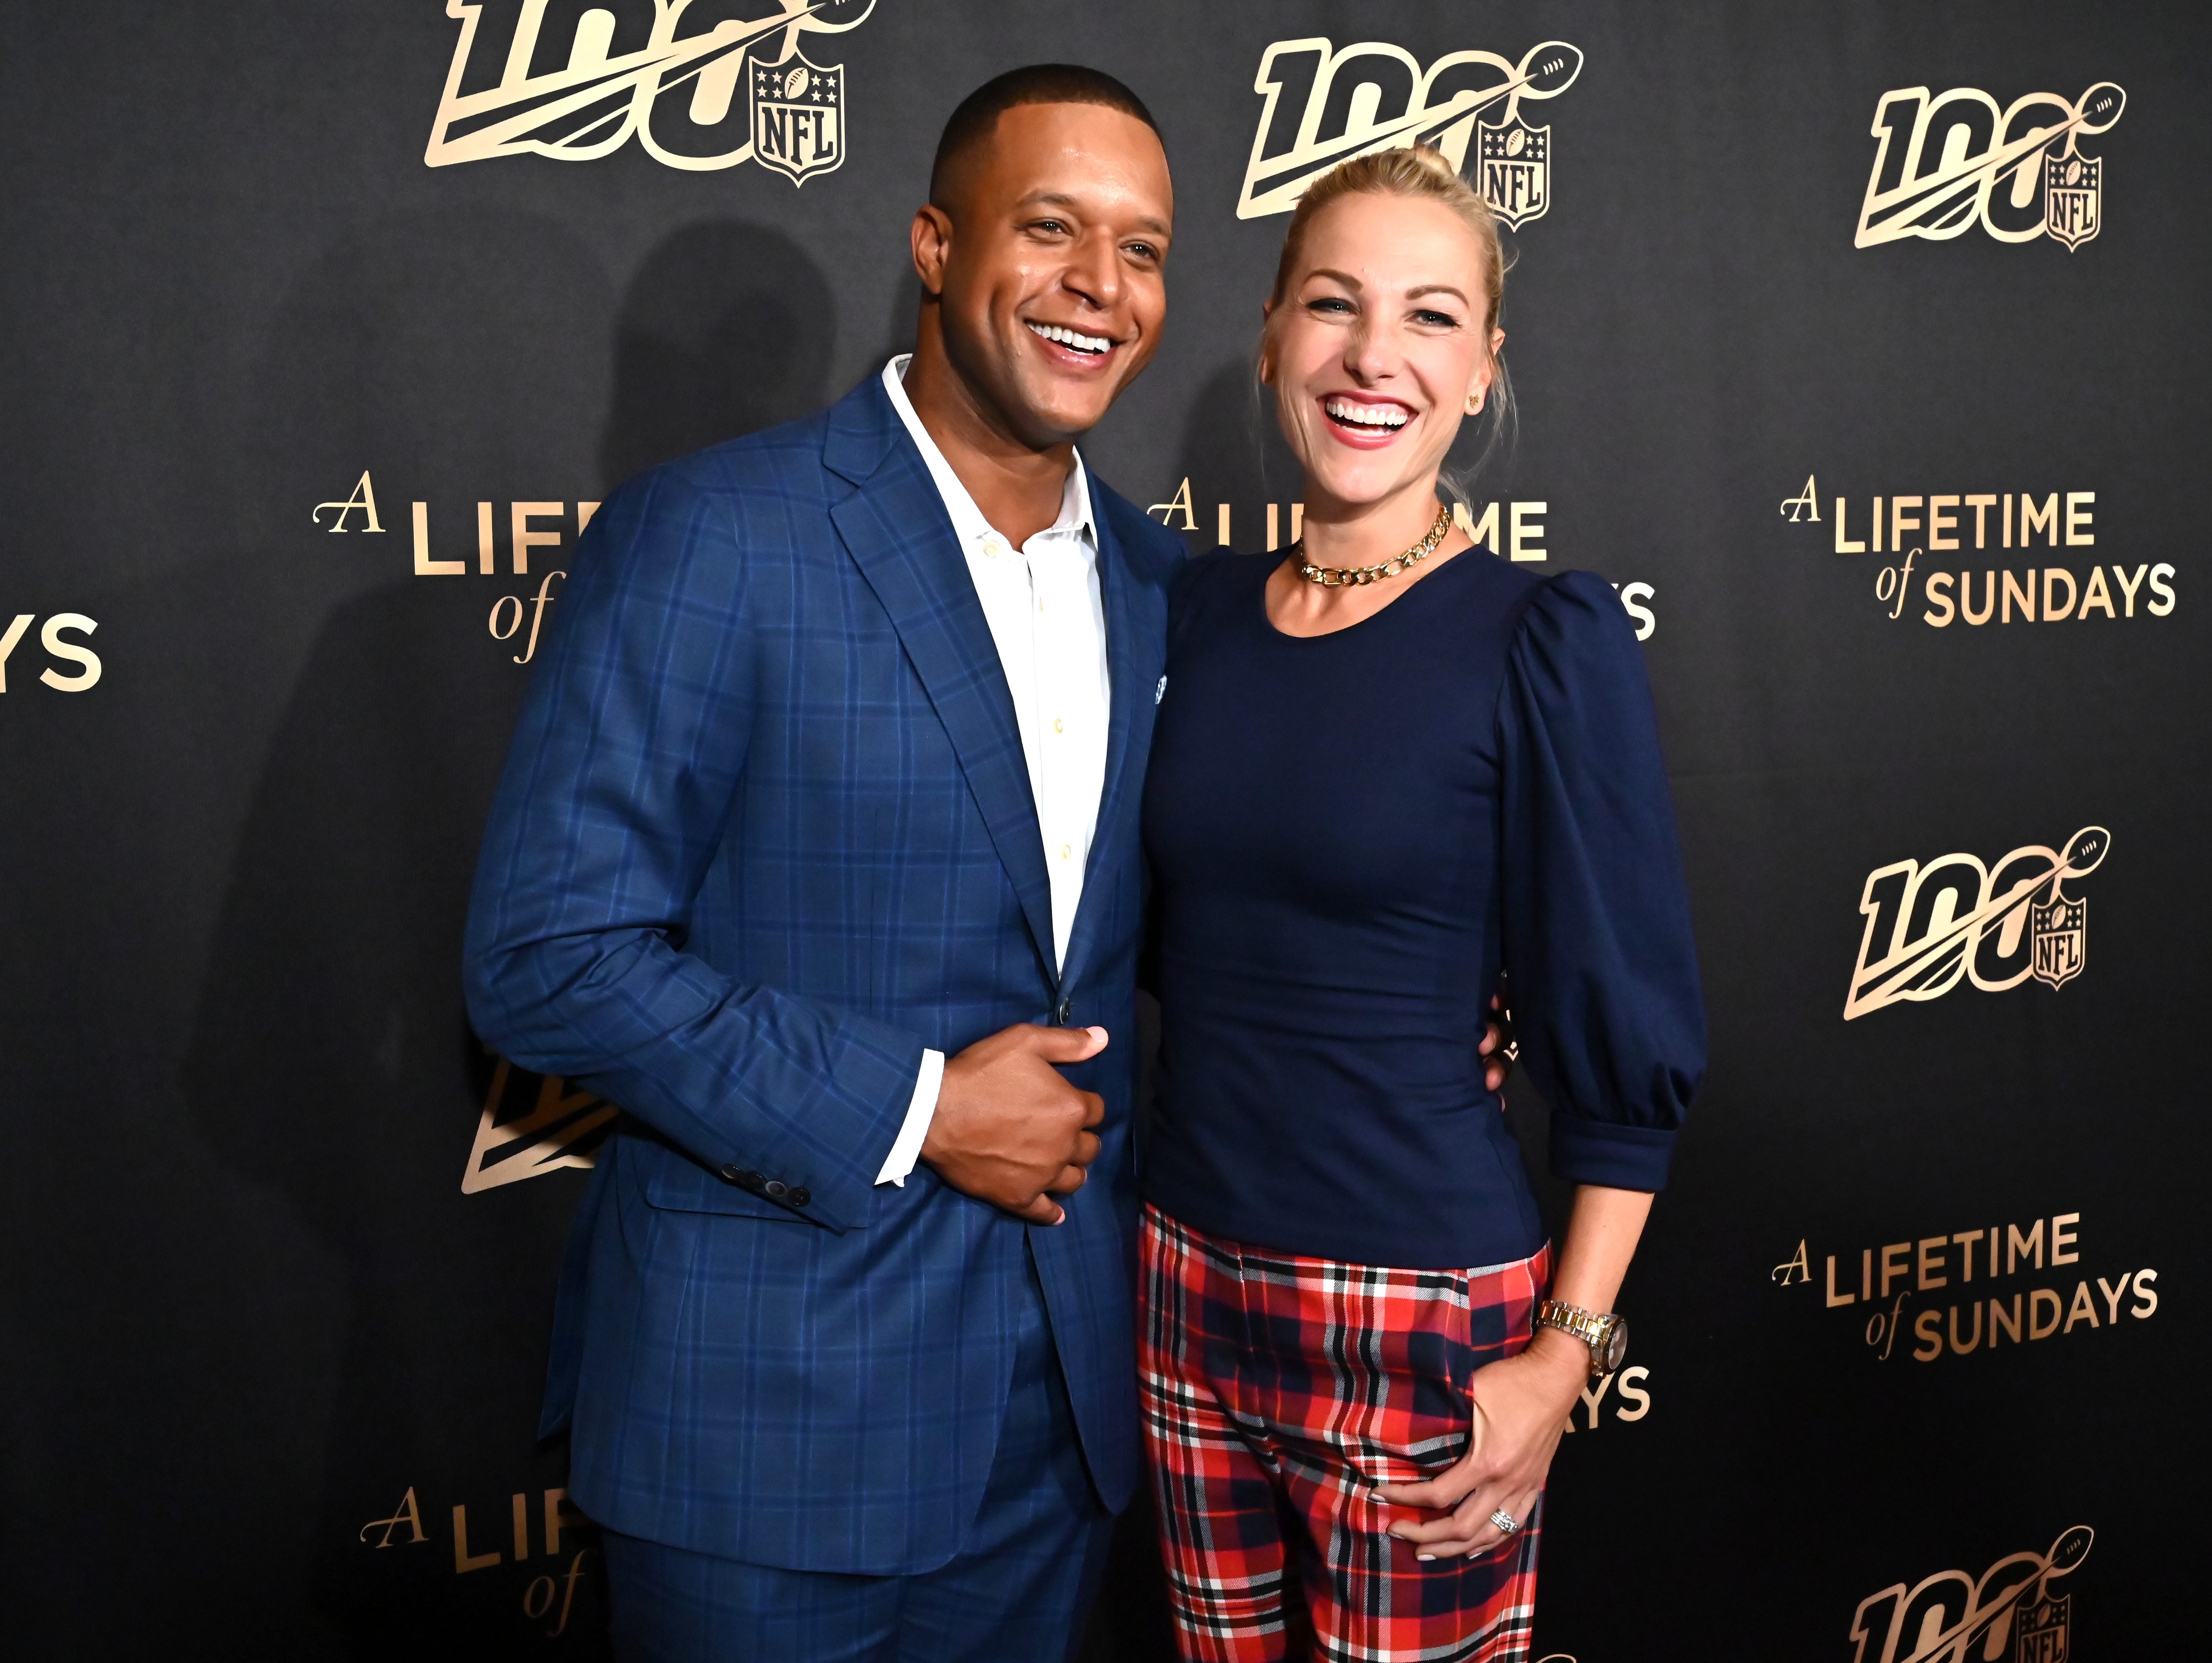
(1276, 1391)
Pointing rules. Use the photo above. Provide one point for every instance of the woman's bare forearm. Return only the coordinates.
(1602, 1236)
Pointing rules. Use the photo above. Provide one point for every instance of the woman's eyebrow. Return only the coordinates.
(1436, 288)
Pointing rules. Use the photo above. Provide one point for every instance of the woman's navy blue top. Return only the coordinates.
(1350, 836)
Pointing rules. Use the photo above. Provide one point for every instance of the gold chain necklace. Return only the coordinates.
(1343, 576)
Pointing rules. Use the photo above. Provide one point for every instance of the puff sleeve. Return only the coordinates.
(1595, 916)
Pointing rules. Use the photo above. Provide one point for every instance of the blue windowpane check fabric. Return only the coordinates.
(765, 833)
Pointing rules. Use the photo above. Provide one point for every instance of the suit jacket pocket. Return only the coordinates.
(677, 1184)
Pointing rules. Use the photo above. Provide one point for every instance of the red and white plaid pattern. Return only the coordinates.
(1277, 1390)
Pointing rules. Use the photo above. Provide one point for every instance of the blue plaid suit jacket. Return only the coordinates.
(765, 833)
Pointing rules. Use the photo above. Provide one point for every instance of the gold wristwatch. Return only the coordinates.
(1606, 1334)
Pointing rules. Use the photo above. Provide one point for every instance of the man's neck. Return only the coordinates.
(1017, 487)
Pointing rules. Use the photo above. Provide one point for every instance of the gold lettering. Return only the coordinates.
(1901, 1253)
(1939, 592)
(1998, 1320)
(585, 510)
(1930, 1274)
(2077, 517)
(363, 497)
(2037, 1328)
(518, 1509)
(1525, 540)
(2045, 519)
(1966, 1239)
(405, 1513)
(1899, 523)
(1927, 1328)
(2014, 592)
(1967, 597)
(487, 561)
(523, 540)
(559, 1516)
(1167, 510)
(1958, 1350)
(1939, 523)
(2061, 1237)
(2051, 574)
(1846, 544)
(1835, 1299)
(1981, 506)
(2096, 595)
(1484, 530)
(2019, 1246)
(464, 1561)
(1808, 503)
(425, 566)
(23, 621)
(2083, 1309)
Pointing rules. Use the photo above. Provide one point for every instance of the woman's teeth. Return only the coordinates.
(1353, 415)
(1053, 332)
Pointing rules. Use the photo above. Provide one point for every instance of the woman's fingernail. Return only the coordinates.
(1425, 1558)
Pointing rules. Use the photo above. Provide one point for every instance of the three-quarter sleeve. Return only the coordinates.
(1603, 971)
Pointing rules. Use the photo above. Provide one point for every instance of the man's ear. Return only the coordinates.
(933, 246)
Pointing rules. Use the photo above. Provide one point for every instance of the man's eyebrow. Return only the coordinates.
(1061, 199)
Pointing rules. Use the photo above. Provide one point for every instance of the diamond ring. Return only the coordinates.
(1506, 1523)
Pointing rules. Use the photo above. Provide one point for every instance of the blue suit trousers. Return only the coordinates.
(1017, 1590)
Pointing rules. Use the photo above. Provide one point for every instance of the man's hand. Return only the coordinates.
(1499, 1049)
(1009, 1129)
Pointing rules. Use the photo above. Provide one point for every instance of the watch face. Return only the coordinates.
(1613, 1347)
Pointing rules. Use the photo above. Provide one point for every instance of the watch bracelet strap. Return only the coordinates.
(1588, 1327)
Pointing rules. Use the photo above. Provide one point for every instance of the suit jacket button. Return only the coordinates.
(799, 1196)
(733, 1174)
(1066, 1014)
(774, 1192)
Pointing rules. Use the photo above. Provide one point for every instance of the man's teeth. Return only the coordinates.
(1344, 410)
(1053, 332)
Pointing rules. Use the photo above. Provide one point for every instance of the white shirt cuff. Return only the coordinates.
(919, 1113)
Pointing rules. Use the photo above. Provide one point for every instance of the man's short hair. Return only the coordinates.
(970, 126)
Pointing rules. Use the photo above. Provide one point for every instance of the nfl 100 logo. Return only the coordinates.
(1930, 927)
(799, 116)
(2009, 1614)
(1326, 104)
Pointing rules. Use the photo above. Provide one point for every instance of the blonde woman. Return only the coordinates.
(1386, 770)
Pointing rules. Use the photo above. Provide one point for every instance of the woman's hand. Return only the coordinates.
(1521, 1408)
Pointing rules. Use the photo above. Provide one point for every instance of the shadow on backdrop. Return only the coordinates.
(727, 328)
(460, 357)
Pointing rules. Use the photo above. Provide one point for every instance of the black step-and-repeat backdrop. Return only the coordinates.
(1863, 347)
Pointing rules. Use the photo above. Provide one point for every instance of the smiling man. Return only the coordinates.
(817, 851)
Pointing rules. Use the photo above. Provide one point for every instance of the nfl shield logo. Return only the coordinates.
(2060, 938)
(2045, 1633)
(1516, 160)
(2073, 193)
(799, 116)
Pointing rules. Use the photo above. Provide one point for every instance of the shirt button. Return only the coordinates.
(1063, 851)
(1057, 726)
(992, 548)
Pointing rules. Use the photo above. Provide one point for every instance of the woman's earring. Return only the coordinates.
(1475, 403)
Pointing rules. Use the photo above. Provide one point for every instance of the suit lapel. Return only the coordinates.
(895, 529)
(1129, 672)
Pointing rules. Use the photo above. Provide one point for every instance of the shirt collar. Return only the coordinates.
(968, 522)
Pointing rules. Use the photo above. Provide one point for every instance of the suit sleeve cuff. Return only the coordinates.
(1602, 1152)
(919, 1111)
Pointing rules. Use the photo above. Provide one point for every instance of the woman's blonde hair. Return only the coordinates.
(1424, 173)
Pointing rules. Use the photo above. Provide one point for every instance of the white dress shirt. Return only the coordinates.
(1049, 622)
